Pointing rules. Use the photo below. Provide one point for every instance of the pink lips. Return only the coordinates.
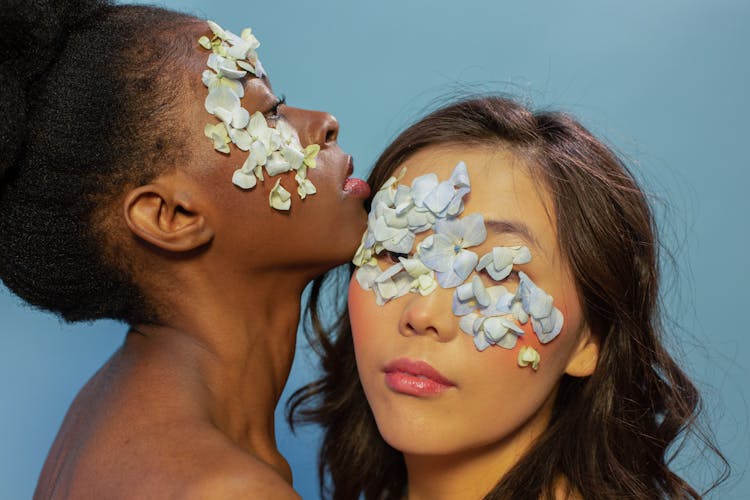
(356, 188)
(415, 378)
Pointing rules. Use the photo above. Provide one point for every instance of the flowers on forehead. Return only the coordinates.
(277, 149)
(491, 315)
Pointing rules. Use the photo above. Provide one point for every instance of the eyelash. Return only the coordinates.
(393, 256)
(273, 113)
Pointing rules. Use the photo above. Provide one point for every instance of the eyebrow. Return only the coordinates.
(518, 228)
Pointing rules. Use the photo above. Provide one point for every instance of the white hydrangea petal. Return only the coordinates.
(221, 97)
(494, 329)
(217, 30)
(463, 264)
(418, 221)
(474, 230)
(241, 138)
(422, 186)
(528, 356)
(279, 198)
(240, 118)
(276, 164)
(522, 256)
(440, 198)
(480, 293)
(460, 176)
(258, 171)
(394, 220)
(390, 272)
(293, 156)
(549, 327)
(243, 179)
(437, 253)
(401, 242)
(480, 342)
(507, 341)
(366, 275)
(415, 267)
(466, 323)
(463, 304)
(426, 283)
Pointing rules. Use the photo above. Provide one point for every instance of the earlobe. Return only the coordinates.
(166, 219)
(584, 359)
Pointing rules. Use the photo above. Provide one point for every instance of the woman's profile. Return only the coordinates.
(150, 174)
(502, 338)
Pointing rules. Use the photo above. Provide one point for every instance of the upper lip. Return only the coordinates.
(349, 166)
(417, 368)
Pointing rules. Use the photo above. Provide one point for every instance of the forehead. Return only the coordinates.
(502, 187)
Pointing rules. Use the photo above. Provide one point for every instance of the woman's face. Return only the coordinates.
(323, 228)
(480, 400)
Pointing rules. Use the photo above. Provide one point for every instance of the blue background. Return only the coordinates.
(664, 82)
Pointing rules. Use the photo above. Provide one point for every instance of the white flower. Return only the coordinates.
(392, 283)
(305, 187)
(212, 81)
(527, 355)
(494, 330)
(444, 199)
(218, 134)
(546, 319)
(499, 262)
(470, 296)
(364, 255)
(445, 251)
(367, 273)
(243, 179)
(423, 278)
(279, 198)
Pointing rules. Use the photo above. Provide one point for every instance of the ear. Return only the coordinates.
(583, 361)
(166, 218)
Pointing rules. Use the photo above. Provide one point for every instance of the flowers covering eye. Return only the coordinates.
(278, 149)
(491, 315)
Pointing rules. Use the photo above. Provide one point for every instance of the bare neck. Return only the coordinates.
(237, 342)
(474, 472)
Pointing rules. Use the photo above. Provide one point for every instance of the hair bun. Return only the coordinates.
(31, 35)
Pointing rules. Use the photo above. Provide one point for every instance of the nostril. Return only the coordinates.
(331, 135)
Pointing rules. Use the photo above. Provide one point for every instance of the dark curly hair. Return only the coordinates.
(612, 435)
(88, 94)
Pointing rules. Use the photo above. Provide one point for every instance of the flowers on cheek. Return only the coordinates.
(278, 149)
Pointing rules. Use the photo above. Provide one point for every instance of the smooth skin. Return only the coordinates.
(185, 408)
(458, 443)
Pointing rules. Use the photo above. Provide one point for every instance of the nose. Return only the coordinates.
(429, 315)
(313, 127)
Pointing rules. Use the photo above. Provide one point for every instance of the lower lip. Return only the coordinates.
(406, 383)
(356, 188)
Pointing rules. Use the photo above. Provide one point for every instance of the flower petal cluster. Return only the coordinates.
(443, 199)
(477, 304)
(486, 314)
(278, 149)
(445, 251)
(409, 275)
(491, 315)
(546, 319)
(499, 262)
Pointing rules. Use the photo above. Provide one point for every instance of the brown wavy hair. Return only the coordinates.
(611, 435)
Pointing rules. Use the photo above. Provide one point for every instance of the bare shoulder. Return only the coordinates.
(240, 480)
